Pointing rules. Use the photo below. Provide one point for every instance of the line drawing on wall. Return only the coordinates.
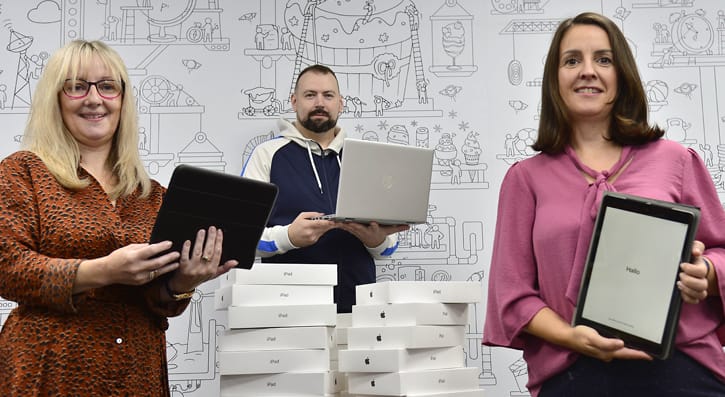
(158, 97)
(29, 68)
(664, 4)
(194, 360)
(690, 39)
(374, 48)
(518, 6)
(452, 41)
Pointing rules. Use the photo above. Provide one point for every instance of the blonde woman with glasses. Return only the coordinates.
(76, 212)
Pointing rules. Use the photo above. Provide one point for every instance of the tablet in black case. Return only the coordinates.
(197, 198)
(628, 289)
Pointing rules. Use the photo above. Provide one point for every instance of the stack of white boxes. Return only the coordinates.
(407, 339)
(344, 322)
(281, 337)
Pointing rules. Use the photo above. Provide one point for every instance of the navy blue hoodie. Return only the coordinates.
(307, 177)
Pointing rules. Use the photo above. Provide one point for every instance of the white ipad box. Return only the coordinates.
(400, 314)
(408, 383)
(282, 384)
(418, 292)
(396, 360)
(281, 316)
(407, 337)
(279, 338)
(272, 294)
(282, 273)
(463, 393)
(273, 361)
(341, 336)
(344, 321)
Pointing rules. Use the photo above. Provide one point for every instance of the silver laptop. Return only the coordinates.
(383, 182)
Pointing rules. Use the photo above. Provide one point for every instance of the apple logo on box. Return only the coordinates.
(382, 314)
(367, 360)
(372, 383)
(379, 338)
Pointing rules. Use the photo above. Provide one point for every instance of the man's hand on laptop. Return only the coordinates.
(303, 231)
(372, 234)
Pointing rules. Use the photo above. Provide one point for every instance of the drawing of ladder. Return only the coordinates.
(128, 22)
(309, 16)
(417, 57)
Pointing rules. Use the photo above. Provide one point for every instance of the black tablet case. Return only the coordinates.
(685, 214)
(197, 198)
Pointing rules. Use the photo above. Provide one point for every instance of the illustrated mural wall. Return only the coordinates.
(460, 76)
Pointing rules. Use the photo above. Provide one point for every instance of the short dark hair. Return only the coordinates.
(629, 124)
(315, 68)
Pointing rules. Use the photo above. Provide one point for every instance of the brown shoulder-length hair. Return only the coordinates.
(629, 124)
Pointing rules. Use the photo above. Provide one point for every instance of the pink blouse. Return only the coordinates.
(546, 213)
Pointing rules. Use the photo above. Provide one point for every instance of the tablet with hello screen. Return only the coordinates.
(628, 289)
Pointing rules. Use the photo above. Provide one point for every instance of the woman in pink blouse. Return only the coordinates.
(594, 136)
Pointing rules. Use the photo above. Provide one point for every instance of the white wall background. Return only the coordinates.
(211, 76)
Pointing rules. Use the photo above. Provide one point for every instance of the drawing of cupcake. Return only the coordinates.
(445, 150)
(471, 149)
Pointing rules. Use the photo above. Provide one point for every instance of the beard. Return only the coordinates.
(318, 126)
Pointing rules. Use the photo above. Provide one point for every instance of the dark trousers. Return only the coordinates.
(679, 376)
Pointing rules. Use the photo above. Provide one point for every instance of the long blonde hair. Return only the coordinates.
(47, 136)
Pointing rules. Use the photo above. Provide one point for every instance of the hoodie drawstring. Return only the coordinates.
(314, 168)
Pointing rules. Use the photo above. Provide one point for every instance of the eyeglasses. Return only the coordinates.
(79, 88)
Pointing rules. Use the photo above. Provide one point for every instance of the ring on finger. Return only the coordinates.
(152, 275)
(205, 259)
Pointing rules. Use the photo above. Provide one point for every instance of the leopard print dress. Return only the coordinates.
(108, 341)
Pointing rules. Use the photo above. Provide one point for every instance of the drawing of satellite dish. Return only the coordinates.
(19, 42)
(165, 14)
